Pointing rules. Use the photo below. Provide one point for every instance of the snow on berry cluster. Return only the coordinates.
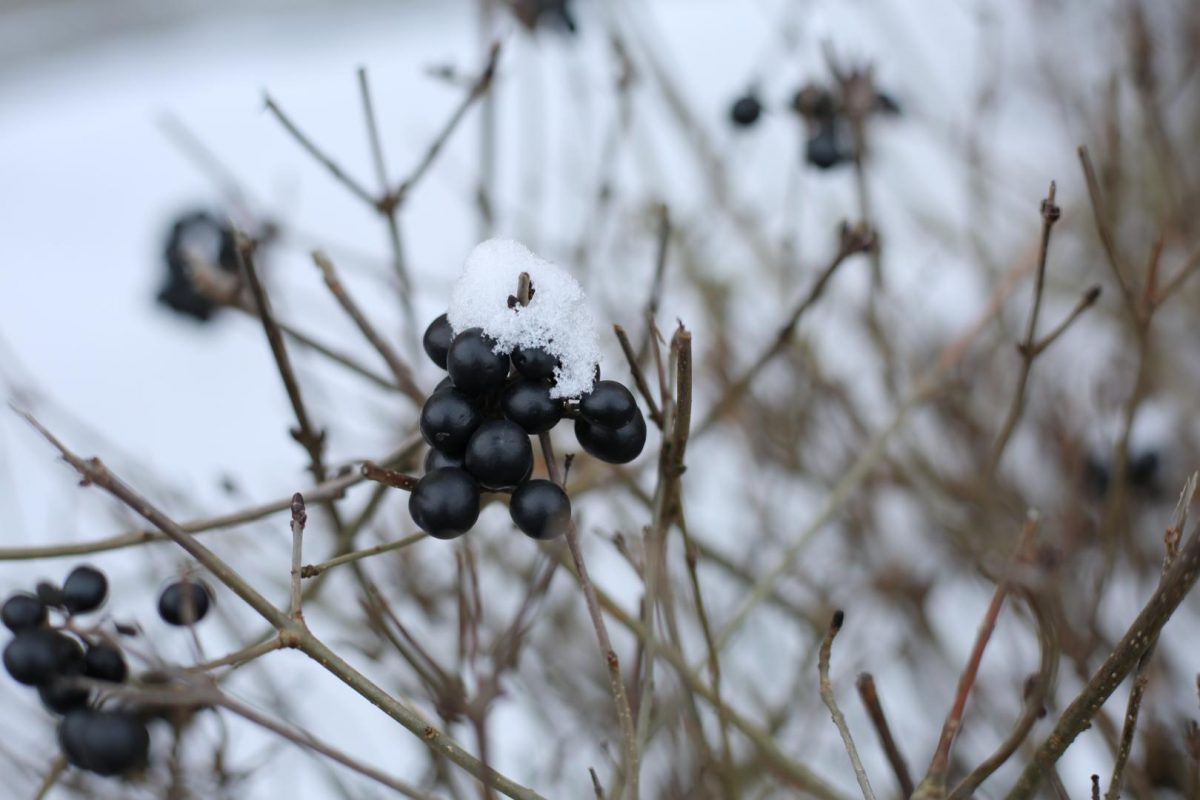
(515, 370)
(94, 735)
(556, 319)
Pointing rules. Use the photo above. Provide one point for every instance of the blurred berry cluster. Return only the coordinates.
(60, 659)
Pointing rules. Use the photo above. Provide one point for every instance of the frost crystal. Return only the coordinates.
(557, 318)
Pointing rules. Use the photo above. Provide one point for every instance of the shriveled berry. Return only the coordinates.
(614, 445)
(436, 459)
(499, 455)
(104, 742)
(37, 657)
(746, 110)
(85, 589)
(445, 503)
(534, 362)
(105, 663)
(184, 602)
(609, 404)
(541, 509)
(814, 103)
(23, 612)
(437, 340)
(529, 404)
(448, 419)
(60, 697)
(472, 364)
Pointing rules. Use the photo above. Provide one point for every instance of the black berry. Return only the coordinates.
(614, 445)
(445, 503)
(437, 340)
(184, 602)
(448, 419)
(37, 657)
(473, 366)
(541, 509)
(529, 404)
(436, 459)
(822, 149)
(534, 362)
(746, 110)
(23, 612)
(61, 697)
(499, 454)
(105, 663)
(104, 742)
(84, 590)
(609, 404)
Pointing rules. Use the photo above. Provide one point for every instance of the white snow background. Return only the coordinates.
(195, 415)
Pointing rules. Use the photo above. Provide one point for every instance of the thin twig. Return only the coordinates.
(1050, 214)
(629, 740)
(332, 489)
(1189, 268)
(478, 89)
(305, 739)
(312, 440)
(1086, 301)
(57, 768)
(1038, 688)
(835, 625)
(364, 91)
(240, 657)
(313, 570)
(870, 700)
(1141, 675)
(851, 241)
(299, 520)
(388, 477)
(639, 376)
(334, 168)
(934, 783)
(400, 369)
(1119, 270)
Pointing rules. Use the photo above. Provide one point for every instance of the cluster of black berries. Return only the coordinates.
(53, 659)
(478, 422)
(196, 237)
(825, 117)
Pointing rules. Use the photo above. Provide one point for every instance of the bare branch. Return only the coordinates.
(827, 695)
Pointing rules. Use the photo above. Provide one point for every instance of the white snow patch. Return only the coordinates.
(557, 318)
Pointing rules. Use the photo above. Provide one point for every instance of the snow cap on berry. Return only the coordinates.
(557, 318)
